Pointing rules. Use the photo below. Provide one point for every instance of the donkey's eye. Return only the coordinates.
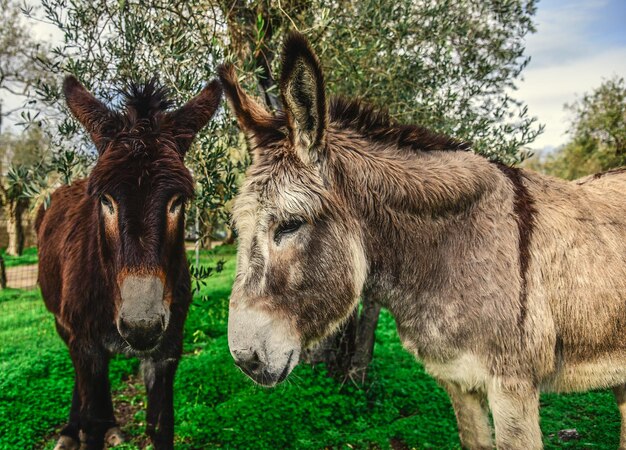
(107, 203)
(176, 204)
(287, 228)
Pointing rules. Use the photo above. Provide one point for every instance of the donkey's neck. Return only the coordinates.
(414, 207)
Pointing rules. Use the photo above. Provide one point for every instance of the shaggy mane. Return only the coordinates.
(376, 124)
(145, 101)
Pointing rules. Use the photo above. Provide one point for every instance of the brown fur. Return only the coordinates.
(502, 281)
(87, 249)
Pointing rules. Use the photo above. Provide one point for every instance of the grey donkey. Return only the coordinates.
(504, 282)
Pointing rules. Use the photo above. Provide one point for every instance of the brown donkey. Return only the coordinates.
(112, 263)
(503, 282)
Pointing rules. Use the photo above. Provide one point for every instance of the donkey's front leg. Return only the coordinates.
(94, 394)
(159, 380)
(472, 416)
(70, 439)
(515, 408)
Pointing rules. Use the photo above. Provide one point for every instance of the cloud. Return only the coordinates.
(564, 29)
(547, 89)
(576, 47)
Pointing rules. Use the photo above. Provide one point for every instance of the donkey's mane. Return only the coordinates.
(376, 124)
(145, 100)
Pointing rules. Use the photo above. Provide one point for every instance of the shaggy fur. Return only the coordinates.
(502, 281)
(126, 219)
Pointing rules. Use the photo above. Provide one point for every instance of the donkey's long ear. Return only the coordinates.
(302, 90)
(255, 121)
(98, 120)
(190, 118)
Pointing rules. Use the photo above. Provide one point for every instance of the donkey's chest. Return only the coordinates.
(114, 343)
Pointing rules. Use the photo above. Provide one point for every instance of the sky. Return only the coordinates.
(578, 43)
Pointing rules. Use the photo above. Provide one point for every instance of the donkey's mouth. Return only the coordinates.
(143, 347)
(260, 374)
(141, 342)
(287, 370)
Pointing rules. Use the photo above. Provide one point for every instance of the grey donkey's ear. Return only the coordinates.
(302, 89)
(257, 123)
(94, 115)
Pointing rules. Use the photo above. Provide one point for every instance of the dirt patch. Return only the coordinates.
(128, 403)
(398, 444)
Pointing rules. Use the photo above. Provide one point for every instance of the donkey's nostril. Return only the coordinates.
(250, 363)
(254, 362)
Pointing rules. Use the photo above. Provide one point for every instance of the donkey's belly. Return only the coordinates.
(600, 373)
(470, 373)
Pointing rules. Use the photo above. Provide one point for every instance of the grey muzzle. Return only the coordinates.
(143, 315)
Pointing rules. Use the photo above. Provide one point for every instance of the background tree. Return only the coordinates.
(19, 55)
(24, 172)
(449, 65)
(598, 134)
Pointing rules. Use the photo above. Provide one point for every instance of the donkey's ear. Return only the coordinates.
(190, 118)
(302, 90)
(98, 120)
(254, 120)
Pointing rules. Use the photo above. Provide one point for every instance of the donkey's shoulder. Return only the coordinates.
(65, 202)
(67, 196)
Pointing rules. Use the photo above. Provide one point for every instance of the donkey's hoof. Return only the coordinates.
(114, 437)
(67, 443)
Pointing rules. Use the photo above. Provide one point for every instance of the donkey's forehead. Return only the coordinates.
(279, 191)
(125, 168)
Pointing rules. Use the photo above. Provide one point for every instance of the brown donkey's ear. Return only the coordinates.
(190, 118)
(302, 90)
(97, 119)
(257, 123)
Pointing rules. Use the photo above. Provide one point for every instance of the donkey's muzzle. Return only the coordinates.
(143, 315)
(265, 347)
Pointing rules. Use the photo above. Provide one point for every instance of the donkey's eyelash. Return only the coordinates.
(286, 228)
(107, 203)
(176, 204)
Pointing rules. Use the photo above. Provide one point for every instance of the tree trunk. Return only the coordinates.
(3, 274)
(231, 237)
(348, 352)
(15, 226)
(365, 340)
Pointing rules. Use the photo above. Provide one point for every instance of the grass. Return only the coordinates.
(28, 256)
(217, 406)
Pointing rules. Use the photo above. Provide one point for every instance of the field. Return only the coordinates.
(218, 407)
